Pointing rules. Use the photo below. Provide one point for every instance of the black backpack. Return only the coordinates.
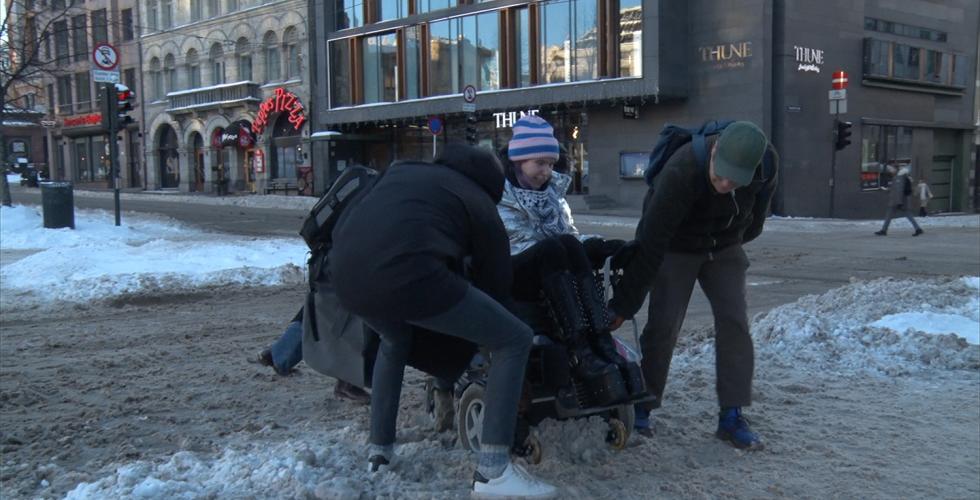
(906, 186)
(352, 185)
(672, 137)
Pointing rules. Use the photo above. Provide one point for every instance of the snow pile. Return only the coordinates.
(885, 326)
(146, 255)
(809, 225)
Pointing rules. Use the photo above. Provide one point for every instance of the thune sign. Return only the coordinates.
(808, 59)
(507, 118)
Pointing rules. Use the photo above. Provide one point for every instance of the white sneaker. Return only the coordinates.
(515, 482)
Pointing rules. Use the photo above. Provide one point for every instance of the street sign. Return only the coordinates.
(103, 76)
(839, 80)
(838, 107)
(837, 95)
(435, 125)
(105, 56)
(48, 123)
(469, 107)
(469, 94)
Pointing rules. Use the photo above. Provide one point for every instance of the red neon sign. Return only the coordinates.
(78, 121)
(283, 102)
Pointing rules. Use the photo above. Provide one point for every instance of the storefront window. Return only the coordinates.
(340, 64)
(633, 165)
(169, 167)
(880, 147)
(287, 156)
(380, 67)
(413, 60)
(630, 38)
(523, 43)
(82, 160)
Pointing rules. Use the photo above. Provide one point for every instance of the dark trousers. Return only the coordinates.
(722, 278)
(544, 258)
(895, 211)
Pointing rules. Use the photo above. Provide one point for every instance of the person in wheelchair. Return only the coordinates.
(549, 257)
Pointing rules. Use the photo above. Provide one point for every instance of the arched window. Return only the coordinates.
(290, 44)
(271, 48)
(193, 69)
(196, 10)
(244, 55)
(169, 73)
(156, 79)
(217, 64)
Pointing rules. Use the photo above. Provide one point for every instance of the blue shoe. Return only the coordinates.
(642, 424)
(734, 428)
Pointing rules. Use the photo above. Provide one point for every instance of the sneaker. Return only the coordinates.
(345, 390)
(263, 358)
(444, 410)
(642, 424)
(918, 232)
(734, 428)
(515, 482)
(881, 233)
(376, 462)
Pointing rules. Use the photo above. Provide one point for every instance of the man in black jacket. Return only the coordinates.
(695, 220)
(397, 261)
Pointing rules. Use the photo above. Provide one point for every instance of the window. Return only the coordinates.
(431, 5)
(214, 8)
(192, 60)
(522, 42)
(340, 77)
(569, 41)
(290, 44)
(271, 49)
(380, 65)
(57, 5)
(30, 37)
(906, 62)
(934, 68)
(151, 15)
(100, 27)
(217, 64)
(64, 95)
(50, 97)
(882, 146)
(350, 13)
(231, 5)
(169, 73)
(61, 41)
(960, 71)
(167, 14)
(83, 91)
(196, 10)
(79, 37)
(633, 165)
(129, 78)
(876, 56)
(885, 60)
(156, 79)
(413, 62)
(872, 24)
(630, 38)
(127, 24)
(464, 51)
(244, 56)
(392, 9)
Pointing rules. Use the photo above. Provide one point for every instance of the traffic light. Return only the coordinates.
(108, 105)
(471, 136)
(842, 136)
(124, 104)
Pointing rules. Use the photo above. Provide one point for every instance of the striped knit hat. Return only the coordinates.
(533, 138)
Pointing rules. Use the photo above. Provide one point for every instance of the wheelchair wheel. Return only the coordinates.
(533, 448)
(469, 419)
(621, 422)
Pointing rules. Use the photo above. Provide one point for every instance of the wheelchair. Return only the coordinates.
(550, 390)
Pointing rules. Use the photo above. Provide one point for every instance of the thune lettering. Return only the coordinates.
(726, 52)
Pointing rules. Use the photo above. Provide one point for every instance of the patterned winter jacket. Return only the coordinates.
(531, 216)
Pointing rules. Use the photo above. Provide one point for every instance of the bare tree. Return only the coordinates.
(28, 29)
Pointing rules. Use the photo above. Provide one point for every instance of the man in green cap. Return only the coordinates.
(695, 220)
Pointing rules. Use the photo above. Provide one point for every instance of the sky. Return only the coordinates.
(933, 324)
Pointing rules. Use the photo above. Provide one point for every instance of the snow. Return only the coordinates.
(99, 261)
(13, 179)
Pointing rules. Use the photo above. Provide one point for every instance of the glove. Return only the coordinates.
(622, 257)
(598, 250)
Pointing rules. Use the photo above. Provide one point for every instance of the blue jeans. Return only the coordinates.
(287, 351)
(477, 318)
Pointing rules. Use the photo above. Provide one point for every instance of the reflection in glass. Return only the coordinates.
(464, 51)
(431, 5)
(630, 38)
(443, 78)
(906, 62)
(393, 9)
(586, 41)
(556, 57)
(523, 43)
(340, 73)
(380, 68)
(487, 51)
(413, 57)
(349, 13)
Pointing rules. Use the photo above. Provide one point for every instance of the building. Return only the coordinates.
(608, 74)
(226, 96)
(76, 146)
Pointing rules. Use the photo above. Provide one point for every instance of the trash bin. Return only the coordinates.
(58, 204)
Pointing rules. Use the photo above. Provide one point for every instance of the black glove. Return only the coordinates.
(622, 257)
(598, 250)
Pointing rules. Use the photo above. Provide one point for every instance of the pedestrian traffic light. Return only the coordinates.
(124, 104)
(842, 136)
(108, 104)
(471, 136)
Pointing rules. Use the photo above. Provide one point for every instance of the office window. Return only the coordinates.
(83, 91)
(61, 42)
(243, 55)
(522, 42)
(349, 13)
(443, 75)
(936, 66)
(169, 73)
(413, 62)
(216, 58)
(431, 5)
(379, 66)
(193, 63)
(196, 10)
(152, 15)
(79, 35)
(127, 24)
(64, 95)
(270, 45)
(340, 77)
(392, 9)
(630, 38)
(156, 79)
(167, 14)
(290, 42)
(906, 62)
(479, 51)
(961, 71)
(100, 27)
(876, 57)
(570, 42)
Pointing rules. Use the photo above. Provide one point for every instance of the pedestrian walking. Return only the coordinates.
(697, 215)
(898, 200)
(397, 262)
(925, 194)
